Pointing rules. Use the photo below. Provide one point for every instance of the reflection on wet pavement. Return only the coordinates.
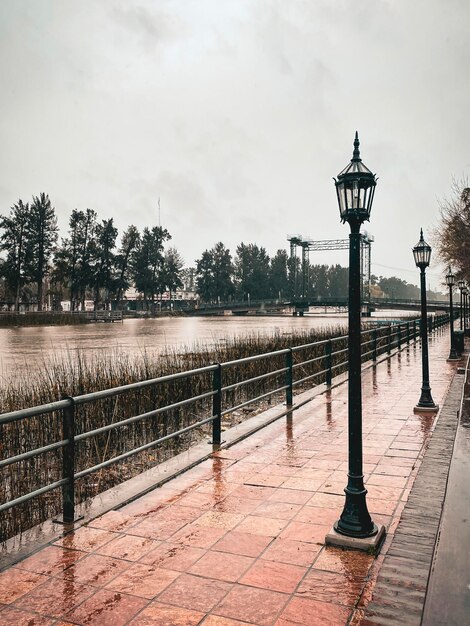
(239, 539)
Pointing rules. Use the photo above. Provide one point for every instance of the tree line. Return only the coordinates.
(87, 263)
(90, 263)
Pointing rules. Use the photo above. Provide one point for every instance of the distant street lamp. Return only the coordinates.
(450, 282)
(465, 308)
(422, 257)
(355, 189)
(461, 285)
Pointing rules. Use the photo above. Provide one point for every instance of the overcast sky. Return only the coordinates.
(237, 114)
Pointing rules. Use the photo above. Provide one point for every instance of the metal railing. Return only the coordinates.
(228, 387)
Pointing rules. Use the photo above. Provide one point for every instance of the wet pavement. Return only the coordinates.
(448, 595)
(239, 539)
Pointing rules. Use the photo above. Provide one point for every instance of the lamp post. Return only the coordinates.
(465, 308)
(461, 285)
(422, 257)
(355, 187)
(450, 282)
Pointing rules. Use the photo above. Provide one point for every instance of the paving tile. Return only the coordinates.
(277, 510)
(265, 481)
(259, 525)
(95, 570)
(304, 484)
(176, 513)
(317, 515)
(274, 576)
(142, 580)
(228, 567)
(384, 507)
(231, 504)
(51, 560)
(107, 608)
(323, 464)
(327, 501)
(173, 556)
(216, 620)
(218, 519)
(157, 529)
(198, 500)
(15, 583)
(245, 544)
(290, 496)
(192, 592)
(115, 521)
(331, 587)
(10, 616)
(308, 612)
(86, 539)
(385, 480)
(198, 536)
(290, 551)
(128, 547)
(159, 614)
(252, 492)
(310, 533)
(353, 563)
(55, 597)
(252, 605)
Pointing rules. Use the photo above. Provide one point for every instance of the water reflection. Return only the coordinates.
(329, 410)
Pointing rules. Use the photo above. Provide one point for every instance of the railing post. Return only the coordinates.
(389, 340)
(374, 344)
(408, 333)
(414, 330)
(328, 373)
(289, 378)
(68, 462)
(430, 324)
(399, 336)
(217, 406)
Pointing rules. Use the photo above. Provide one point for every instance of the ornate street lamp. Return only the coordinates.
(355, 187)
(450, 282)
(422, 257)
(461, 285)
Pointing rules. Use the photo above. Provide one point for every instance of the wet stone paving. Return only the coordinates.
(239, 539)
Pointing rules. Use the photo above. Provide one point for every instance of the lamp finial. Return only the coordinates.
(356, 153)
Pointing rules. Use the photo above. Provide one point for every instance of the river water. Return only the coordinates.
(31, 346)
(24, 348)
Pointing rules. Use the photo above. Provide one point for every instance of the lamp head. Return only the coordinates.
(355, 187)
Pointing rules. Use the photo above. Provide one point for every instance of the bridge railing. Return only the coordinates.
(49, 450)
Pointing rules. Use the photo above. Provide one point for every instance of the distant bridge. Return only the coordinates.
(301, 306)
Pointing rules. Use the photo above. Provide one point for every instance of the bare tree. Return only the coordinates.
(452, 236)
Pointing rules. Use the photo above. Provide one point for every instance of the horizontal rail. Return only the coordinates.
(252, 400)
(136, 418)
(146, 446)
(32, 494)
(254, 379)
(32, 453)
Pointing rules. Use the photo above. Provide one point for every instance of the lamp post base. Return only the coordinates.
(425, 409)
(453, 356)
(426, 403)
(365, 544)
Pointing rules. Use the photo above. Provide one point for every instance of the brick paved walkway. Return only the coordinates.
(239, 539)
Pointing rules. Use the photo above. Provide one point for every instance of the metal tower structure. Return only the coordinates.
(309, 245)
